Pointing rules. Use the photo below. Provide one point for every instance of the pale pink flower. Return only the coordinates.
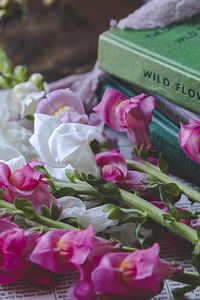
(65, 105)
(189, 139)
(128, 115)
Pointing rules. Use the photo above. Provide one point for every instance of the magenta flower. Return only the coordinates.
(128, 115)
(84, 288)
(137, 275)
(15, 247)
(25, 183)
(189, 139)
(63, 251)
(6, 224)
(65, 105)
(114, 169)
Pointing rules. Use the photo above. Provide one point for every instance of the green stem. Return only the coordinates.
(152, 211)
(150, 170)
(37, 218)
(81, 188)
(157, 215)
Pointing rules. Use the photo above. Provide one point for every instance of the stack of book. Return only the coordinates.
(164, 63)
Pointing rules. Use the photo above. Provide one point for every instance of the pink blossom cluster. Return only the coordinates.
(25, 183)
(104, 268)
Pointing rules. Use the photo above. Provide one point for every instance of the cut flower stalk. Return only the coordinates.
(151, 170)
(139, 203)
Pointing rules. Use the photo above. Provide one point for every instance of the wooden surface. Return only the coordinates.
(57, 43)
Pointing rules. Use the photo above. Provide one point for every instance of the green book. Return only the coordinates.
(164, 137)
(163, 61)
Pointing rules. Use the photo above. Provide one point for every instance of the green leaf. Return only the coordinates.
(55, 211)
(163, 164)
(168, 217)
(30, 118)
(196, 256)
(109, 189)
(21, 73)
(114, 211)
(6, 66)
(72, 175)
(45, 211)
(38, 80)
(183, 214)
(4, 83)
(26, 207)
(67, 191)
(140, 237)
(180, 292)
(169, 193)
(172, 190)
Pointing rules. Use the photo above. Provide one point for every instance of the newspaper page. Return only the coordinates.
(25, 291)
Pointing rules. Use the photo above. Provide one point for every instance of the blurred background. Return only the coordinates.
(60, 38)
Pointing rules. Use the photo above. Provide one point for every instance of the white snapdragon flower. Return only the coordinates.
(61, 145)
(71, 207)
(11, 132)
(12, 157)
(125, 233)
(23, 99)
(98, 217)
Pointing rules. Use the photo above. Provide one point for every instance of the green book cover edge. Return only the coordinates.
(164, 61)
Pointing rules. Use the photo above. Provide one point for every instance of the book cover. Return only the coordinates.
(163, 61)
(164, 137)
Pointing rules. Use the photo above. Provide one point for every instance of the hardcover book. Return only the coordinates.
(163, 61)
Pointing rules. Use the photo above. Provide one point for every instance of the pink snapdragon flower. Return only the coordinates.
(114, 168)
(15, 247)
(25, 183)
(62, 251)
(189, 139)
(65, 105)
(137, 275)
(128, 115)
(84, 288)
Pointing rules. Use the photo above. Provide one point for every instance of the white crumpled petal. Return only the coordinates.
(61, 145)
(12, 157)
(98, 218)
(23, 99)
(160, 13)
(72, 207)
(125, 233)
(12, 133)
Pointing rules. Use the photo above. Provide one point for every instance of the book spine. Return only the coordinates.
(148, 72)
(164, 137)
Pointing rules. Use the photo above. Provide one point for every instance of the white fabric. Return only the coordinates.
(160, 13)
